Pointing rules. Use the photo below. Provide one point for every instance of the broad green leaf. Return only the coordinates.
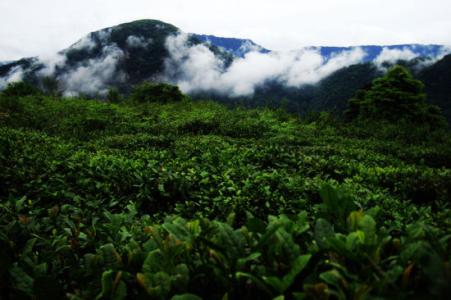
(329, 196)
(353, 220)
(297, 267)
(281, 285)
(368, 226)
(332, 277)
(107, 285)
(111, 258)
(323, 233)
(254, 279)
(121, 291)
(21, 281)
(186, 297)
(354, 240)
(250, 257)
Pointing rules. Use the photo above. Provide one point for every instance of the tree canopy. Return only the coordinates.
(395, 96)
(156, 92)
(20, 89)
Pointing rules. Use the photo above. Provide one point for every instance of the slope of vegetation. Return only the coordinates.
(190, 200)
(395, 97)
(436, 80)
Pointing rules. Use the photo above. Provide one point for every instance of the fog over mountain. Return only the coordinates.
(198, 69)
(127, 54)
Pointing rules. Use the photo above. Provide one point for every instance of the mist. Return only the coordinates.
(14, 75)
(195, 68)
(90, 77)
(393, 55)
(96, 75)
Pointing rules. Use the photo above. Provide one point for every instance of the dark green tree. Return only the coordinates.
(113, 95)
(156, 92)
(395, 96)
(50, 86)
(20, 89)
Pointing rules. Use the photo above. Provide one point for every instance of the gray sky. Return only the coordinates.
(39, 27)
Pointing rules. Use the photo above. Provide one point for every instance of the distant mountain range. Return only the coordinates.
(237, 47)
(373, 52)
(240, 47)
(228, 69)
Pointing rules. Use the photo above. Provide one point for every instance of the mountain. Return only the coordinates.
(333, 92)
(373, 53)
(329, 94)
(227, 69)
(120, 56)
(240, 47)
(437, 80)
(134, 42)
(237, 47)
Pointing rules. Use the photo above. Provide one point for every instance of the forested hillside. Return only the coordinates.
(157, 196)
(228, 70)
(438, 87)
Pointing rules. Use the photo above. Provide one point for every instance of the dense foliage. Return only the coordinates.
(190, 200)
(156, 92)
(20, 89)
(395, 96)
(437, 87)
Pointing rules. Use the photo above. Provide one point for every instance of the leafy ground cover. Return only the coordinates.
(193, 200)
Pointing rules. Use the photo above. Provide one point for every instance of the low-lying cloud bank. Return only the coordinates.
(93, 76)
(14, 75)
(393, 55)
(196, 69)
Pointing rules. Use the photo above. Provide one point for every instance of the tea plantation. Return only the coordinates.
(195, 200)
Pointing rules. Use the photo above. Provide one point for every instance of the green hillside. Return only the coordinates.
(191, 200)
(437, 81)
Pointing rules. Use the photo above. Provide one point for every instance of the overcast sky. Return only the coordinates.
(36, 27)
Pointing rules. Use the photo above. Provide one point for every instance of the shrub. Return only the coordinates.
(20, 89)
(397, 95)
(156, 92)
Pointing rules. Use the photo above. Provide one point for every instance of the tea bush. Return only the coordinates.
(193, 200)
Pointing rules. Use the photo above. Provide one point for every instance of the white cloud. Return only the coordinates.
(51, 62)
(194, 67)
(445, 50)
(197, 69)
(277, 25)
(248, 46)
(394, 55)
(14, 75)
(138, 41)
(104, 34)
(93, 76)
(84, 43)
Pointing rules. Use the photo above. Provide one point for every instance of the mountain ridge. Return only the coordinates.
(238, 46)
(205, 65)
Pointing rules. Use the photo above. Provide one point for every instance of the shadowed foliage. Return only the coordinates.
(395, 96)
